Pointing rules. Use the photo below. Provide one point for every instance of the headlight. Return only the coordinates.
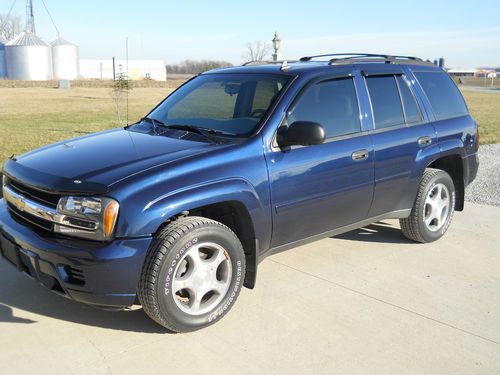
(88, 217)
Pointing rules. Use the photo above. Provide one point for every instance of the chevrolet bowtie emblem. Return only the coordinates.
(20, 204)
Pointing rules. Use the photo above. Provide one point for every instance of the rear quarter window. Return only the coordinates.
(445, 98)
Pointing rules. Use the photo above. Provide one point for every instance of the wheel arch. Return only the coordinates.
(452, 164)
(232, 202)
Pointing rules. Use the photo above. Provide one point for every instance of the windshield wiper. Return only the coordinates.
(194, 129)
(204, 132)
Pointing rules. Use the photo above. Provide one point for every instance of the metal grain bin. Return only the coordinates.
(65, 59)
(28, 58)
(3, 65)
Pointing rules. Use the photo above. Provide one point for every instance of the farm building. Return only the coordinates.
(472, 72)
(137, 69)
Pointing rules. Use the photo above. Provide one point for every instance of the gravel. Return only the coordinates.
(485, 189)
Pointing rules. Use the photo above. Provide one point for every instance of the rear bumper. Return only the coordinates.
(104, 274)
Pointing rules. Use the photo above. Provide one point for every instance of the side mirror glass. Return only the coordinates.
(301, 133)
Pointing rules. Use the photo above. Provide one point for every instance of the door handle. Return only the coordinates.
(424, 141)
(359, 155)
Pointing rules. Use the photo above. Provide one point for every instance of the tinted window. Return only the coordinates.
(265, 92)
(443, 94)
(333, 104)
(386, 103)
(412, 112)
(230, 103)
(207, 101)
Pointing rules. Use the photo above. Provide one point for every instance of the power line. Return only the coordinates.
(8, 16)
(51, 19)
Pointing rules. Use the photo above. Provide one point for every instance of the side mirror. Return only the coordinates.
(301, 133)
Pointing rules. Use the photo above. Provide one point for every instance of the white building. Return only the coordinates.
(490, 73)
(137, 69)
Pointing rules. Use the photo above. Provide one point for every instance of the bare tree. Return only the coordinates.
(9, 26)
(195, 67)
(119, 92)
(257, 51)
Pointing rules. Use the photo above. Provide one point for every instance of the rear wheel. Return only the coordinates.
(433, 209)
(192, 275)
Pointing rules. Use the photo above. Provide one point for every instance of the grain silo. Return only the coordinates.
(28, 58)
(65, 59)
(3, 64)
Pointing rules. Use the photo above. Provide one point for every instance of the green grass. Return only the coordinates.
(485, 107)
(32, 117)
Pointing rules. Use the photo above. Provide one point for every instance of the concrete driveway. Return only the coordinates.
(367, 302)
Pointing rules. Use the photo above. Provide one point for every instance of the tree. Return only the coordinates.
(257, 51)
(119, 94)
(196, 67)
(10, 26)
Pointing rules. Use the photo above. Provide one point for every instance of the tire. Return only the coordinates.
(192, 275)
(430, 217)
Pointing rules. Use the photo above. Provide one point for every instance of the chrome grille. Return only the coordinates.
(38, 196)
(40, 214)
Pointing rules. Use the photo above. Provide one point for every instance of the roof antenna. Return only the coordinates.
(126, 66)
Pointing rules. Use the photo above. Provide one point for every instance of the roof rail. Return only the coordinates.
(262, 62)
(309, 58)
(339, 58)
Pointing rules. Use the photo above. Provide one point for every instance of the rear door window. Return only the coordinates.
(445, 98)
(386, 103)
(411, 109)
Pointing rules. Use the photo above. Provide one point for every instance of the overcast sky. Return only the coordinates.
(466, 33)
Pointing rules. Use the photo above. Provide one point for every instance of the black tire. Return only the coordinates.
(414, 226)
(155, 290)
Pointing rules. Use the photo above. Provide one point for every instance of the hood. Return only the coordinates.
(102, 158)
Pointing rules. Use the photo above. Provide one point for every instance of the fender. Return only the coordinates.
(158, 211)
(429, 155)
(452, 147)
(425, 157)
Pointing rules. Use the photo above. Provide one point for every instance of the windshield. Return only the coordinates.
(232, 104)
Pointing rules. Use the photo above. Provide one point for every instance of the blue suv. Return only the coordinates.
(176, 211)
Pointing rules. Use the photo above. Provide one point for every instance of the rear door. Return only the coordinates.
(319, 188)
(401, 136)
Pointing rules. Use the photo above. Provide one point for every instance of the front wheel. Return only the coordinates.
(192, 275)
(433, 209)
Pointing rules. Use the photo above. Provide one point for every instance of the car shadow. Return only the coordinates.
(6, 315)
(381, 232)
(18, 292)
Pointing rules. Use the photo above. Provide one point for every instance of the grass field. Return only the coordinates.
(32, 117)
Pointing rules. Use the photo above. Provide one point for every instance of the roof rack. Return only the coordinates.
(261, 62)
(346, 58)
(284, 63)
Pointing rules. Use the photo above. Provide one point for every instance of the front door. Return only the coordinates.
(315, 189)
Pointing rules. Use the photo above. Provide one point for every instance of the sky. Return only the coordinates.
(465, 33)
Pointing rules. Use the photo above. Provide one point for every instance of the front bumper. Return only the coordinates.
(104, 274)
